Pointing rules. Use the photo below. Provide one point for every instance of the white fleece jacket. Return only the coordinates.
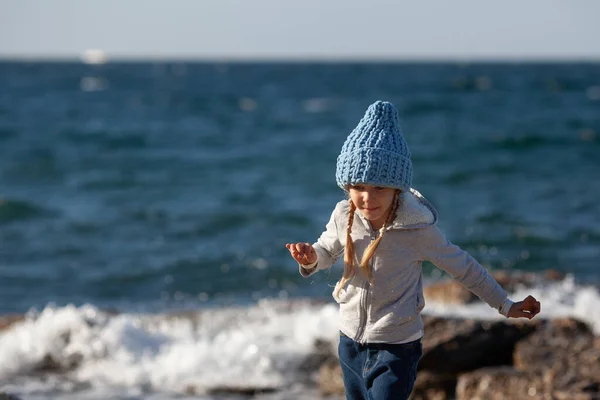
(388, 310)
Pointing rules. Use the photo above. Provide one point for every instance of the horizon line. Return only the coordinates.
(297, 59)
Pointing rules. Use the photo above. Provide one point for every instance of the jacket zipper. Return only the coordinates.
(364, 299)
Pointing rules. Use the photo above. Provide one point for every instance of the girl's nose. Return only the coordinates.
(366, 195)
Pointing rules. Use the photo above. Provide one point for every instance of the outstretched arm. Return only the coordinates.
(435, 247)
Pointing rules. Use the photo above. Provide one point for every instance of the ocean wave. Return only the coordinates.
(202, 351)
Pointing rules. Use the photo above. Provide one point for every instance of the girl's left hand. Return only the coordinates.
(527, 308)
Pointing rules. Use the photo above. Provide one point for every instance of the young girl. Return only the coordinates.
(385, 230)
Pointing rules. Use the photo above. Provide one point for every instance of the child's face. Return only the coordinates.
(373, 202)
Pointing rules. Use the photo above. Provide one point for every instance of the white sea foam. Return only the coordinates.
(166, 355)
(256, 347)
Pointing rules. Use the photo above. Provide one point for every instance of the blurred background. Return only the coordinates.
(155, 157)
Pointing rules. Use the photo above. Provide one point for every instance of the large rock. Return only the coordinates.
(451, 346)
(500, 383)
(560, 360)
(565, 353)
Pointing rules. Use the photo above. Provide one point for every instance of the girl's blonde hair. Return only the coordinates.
(349, 269)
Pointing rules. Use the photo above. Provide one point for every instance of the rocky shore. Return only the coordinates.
(463, 359)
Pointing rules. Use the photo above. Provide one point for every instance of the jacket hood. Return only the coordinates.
(414, 211)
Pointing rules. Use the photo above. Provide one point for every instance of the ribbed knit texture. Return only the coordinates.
(375, 153)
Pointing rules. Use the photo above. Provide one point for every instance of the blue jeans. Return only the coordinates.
(378, 371)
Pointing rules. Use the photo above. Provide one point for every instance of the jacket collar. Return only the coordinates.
(414, 212)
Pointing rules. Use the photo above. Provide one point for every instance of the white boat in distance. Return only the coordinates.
(94, 56)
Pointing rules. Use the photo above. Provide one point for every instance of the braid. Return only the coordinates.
(370, 251)
(348, 251)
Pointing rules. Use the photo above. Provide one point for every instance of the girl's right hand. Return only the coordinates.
(303, 253)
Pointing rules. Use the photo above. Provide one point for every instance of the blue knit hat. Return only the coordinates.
(375, 153)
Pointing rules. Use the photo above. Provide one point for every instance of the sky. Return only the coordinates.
(307, 29)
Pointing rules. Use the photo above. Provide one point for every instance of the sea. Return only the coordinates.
(145, 208)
